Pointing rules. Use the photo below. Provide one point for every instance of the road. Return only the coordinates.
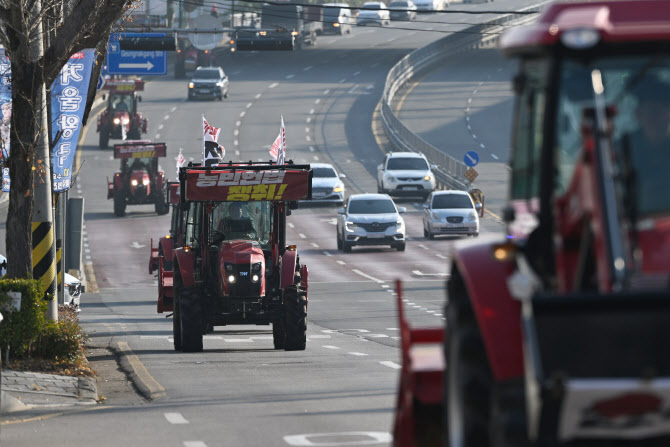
(239, 391)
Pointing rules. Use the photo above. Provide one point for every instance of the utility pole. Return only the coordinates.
(44, 266)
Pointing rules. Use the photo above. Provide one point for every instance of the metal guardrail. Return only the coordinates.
(450, 172)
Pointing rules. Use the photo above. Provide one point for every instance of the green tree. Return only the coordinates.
(39, 36)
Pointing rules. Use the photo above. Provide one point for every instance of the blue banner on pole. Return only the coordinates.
(5, 104)
(68, 101)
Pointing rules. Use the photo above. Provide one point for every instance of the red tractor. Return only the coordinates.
(556, 333)
(234, 265)
(139, 182)
(120, 119)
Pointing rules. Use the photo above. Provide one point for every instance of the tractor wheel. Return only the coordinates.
(191, 321)
(104, 138)
(295, 320)
(119, 204)
(134, 134)
(478, 413)
(161, 205)
(279, 334)
(176, 315)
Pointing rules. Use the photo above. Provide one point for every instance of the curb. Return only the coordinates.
(135, 370)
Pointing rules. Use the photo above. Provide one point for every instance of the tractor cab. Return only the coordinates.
(120, 119)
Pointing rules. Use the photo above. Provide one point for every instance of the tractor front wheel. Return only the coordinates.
(161, 205)
(104, 138)
(279, 334)
(119, 204)
(190, 318)
(295, 320)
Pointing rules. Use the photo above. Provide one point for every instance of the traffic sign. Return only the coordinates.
(101, 81)
(121, 62)
(206, 40)
(471, 158)
(471, 174)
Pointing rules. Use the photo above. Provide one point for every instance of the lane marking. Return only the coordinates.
(175, 418)
(319, 336)
(249, 105)
(365, 275)
(391, 364)
(307, 68)
(238, 340)
(360, 354)
(302, 236)
(341, 262)
(327, 253)
(166, 117)
(273, 85)
(331, 347)
(326, 91)
(258, 95)
(238, 123)
(242, 113)
(311, 112)
(290, 225)
(317, 100)
(290, 76)
(314, 244)
(194, 444)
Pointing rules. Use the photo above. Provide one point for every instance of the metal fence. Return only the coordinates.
(450, 172)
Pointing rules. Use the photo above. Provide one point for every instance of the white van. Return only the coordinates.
(336, 18)
(431, 5)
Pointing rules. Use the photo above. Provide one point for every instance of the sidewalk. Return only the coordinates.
(22, 391)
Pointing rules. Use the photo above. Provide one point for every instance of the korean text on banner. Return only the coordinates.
(5, 105)
(68, 101)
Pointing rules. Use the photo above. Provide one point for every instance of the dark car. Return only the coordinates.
(402, 10)
(208, 82)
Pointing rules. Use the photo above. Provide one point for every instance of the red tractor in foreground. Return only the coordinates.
(234, 265)
(139, 182)
(557, 333)
(120, 120)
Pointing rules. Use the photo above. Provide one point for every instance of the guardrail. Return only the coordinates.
(450, 172)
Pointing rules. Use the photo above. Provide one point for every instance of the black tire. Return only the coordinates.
(339, 242)
(431, 236)
(119, 204)
(160, 205)
(279, 333)
(346, 247)
(400, 247)
(104, 139)
(380, 190)
(191, 320)
(295, 321)
(176, 319)
(425, 233)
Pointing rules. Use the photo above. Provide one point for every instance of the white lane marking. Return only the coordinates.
(308, 138)
(326, 91)
(316, 158)
(311, 148)
(261, 337)
(431, 311)
(482, 145)
(377, 336)
(175, 418)
(173, 109)
(317, 100)
(314, 244)
(249, 105)
(290, 225)
(343, 80)
(339, 439)
(258, 95)
(377, 63)
(408, 303)
(236, 143)
(424, 247)
(160, 127)
(327, 253)
(385, 286)
(365, 275)
(331, 347)
(238, 340)
(441, 256)
(302, 236)
(311, 111)
(236, 132)
(392, 329)
(158, 136)
(238, 123)
(306, 129)
(291, 76)
(391, 364)
(341, 262)
(438, 315)
(360, 354)
(319, 336)
(308, 120)
(307, 68)
(494, 156)
(194, 444)
(412, 33)
(166, 117)
(273, 85)
(357, 73)
(242, 113)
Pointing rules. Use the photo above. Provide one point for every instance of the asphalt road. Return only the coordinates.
(239, 391)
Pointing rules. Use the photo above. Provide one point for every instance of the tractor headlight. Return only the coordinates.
(255, 278)
(133, 182)
(231, 279)
(145, 181)
(256, 267)
(117, 121)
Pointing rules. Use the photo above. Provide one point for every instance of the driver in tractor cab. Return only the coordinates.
(121, 105)
(237, 225)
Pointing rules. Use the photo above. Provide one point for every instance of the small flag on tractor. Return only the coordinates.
(278, 149)
(180, 161)
(212, 152)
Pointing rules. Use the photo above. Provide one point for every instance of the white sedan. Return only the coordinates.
(450, 212)
(373, 12)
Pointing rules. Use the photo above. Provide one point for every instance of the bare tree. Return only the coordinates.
(68, 26)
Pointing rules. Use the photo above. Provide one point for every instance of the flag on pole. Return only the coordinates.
(180, 161)
(212, 152)
(278, 149)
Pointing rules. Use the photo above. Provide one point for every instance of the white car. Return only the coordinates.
(72, 292)
(373, 12)
(370, 219)
(431, 5)
(405, 174)
(450, 212)
(327, 185)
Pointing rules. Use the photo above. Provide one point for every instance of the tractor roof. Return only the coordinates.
(124, 86)
(243, 182)
(616, 21)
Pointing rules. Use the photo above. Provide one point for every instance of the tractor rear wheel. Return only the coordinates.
(295, 320)
(191, 321)
(176, 315)
(279, 334)
(104, 139)
(119, 204)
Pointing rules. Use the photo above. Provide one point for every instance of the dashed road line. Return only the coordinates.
(365, 275)
(175, 418)
(359, 354)
(391, 364)
(341, 262)
(331, 347)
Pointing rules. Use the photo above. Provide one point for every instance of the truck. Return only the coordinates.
(139, 180)
(234, 265)
(283, 27)
(120, 120)
(556, 331)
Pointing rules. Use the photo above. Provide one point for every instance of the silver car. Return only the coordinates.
(450, 212)
(370, 219)
(373, 12)
(327, 185)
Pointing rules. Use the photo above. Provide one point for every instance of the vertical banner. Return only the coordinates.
(68, 101)
(5, 107)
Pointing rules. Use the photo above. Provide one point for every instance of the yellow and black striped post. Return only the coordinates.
(44, 265)
(59, 272)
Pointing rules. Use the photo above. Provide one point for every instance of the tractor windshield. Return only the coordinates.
(637, 93)
(243, 220)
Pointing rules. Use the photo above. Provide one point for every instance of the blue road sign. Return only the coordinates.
(120, 62)
(471, 158)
